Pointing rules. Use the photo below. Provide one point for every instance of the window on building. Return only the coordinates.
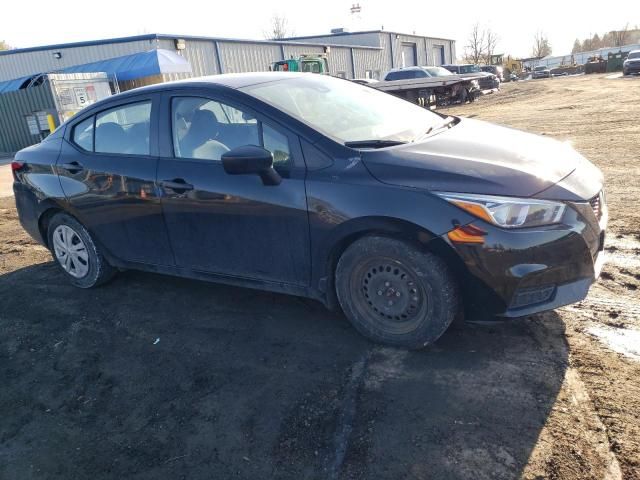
(341, 74)
(124, 130)
(373, 74)
(83, 134)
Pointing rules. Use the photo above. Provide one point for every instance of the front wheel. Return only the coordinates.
(394, 293)
(76, 253)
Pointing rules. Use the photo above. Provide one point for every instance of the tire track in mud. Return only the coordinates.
(346, 416)
(573, 406)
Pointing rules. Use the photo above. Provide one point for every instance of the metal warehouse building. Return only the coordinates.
(366, 54)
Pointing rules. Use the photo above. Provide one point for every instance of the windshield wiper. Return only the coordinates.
(446, 124)
(373, 143)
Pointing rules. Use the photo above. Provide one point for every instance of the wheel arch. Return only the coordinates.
(353, 230)
(48, 211)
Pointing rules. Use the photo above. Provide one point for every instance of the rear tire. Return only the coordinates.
(394, 293)
(76, 253)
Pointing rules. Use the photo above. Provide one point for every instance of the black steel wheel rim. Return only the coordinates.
(389, 294)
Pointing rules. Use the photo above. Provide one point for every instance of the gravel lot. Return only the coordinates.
(153, 377)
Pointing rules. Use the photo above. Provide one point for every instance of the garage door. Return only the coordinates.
(438, 55)
(409, 55)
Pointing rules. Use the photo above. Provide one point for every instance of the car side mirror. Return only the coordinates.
(251, 159)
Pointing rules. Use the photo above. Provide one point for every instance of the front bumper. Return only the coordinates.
(631, 68)
(521, 272)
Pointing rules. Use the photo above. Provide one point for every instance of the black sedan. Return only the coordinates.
(319, 187)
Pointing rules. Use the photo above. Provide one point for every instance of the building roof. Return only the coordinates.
(163, 36)
(362, 32)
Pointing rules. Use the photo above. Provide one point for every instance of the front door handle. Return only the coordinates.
(72, 167)
(177, 184)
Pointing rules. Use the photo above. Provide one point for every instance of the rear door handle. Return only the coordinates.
(177, 184)
(72, 167)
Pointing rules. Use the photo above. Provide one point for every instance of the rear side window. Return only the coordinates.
(124, 130)
(83, 134)
(402, 75)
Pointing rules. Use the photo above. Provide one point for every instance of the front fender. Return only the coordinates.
(346, 202)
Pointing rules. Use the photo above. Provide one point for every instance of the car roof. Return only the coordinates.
(229, 80)
(232, 81)
(402, 69)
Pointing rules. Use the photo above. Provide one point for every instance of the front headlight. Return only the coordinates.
(508, 212)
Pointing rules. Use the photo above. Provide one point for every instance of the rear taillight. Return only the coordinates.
(16, 166)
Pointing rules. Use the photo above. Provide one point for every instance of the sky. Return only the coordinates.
(39, 22)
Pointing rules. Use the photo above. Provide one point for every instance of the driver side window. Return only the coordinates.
(205, 129)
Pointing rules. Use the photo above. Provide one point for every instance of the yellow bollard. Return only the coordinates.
(51, 122)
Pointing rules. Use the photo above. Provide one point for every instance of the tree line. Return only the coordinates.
(614, 38)
(481, 45)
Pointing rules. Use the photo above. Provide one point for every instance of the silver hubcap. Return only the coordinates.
(70, 251)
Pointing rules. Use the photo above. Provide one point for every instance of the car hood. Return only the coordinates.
(476, 157)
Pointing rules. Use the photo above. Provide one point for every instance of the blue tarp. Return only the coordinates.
(13, 85)
(129, 67)
(138, 65)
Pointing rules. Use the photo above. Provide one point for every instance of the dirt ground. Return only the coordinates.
(154, 377)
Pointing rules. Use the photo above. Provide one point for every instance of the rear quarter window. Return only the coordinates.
(83, 134)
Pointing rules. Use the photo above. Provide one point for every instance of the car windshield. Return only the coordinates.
(634, 55)
(346, 111)
(437, 71)
(542, 67)
(469, 69)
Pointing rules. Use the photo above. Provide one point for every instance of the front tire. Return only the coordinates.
(394, 293)
(76, 253)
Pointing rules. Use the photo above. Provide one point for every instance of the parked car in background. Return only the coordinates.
(497, 70)
(486, 80)
(541, 71)
(631, 63)
(315, 186)
(406, 73)
(429, 86)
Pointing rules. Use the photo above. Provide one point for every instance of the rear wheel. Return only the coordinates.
(394, 293)
(76, 253)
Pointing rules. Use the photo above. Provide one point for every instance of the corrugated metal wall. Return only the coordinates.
(14, 132)
(373, 60)
(201, 54)
(247, 57)
(340, 62)
(369, 39)
(30, 63)
(297, 50)
(235, 56)
(391, 44)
